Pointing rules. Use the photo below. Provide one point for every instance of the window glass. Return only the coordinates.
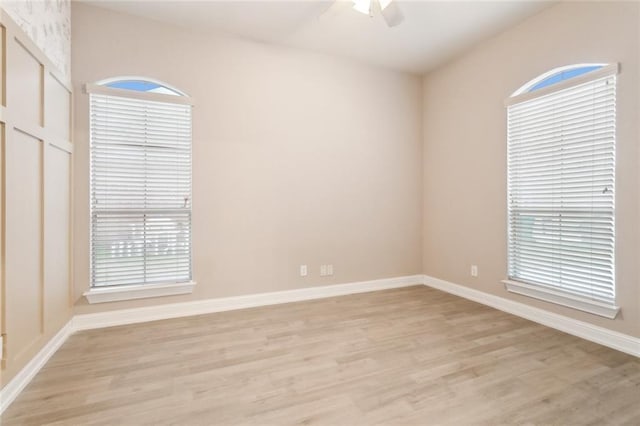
(563, 75)
(142, 86)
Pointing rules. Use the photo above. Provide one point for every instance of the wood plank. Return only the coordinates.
(402, 356)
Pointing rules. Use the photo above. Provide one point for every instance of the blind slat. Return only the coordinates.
(140, 191)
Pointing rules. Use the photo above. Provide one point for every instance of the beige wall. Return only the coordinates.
(299, 158)
(465, 146)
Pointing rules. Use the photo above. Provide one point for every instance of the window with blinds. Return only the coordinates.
(140, 186)
(561, 187)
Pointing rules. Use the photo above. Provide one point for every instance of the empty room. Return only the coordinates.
(326, 212)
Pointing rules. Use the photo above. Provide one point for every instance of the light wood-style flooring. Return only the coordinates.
(405, 356)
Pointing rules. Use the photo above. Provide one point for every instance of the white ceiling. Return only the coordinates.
(432, 32)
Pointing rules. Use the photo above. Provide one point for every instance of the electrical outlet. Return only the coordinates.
(474, 270)
(323, 270)
(329, 269)
(303, 270)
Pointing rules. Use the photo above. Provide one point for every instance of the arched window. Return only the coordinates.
(140, 145)
(561, 187)
(140, 85)
(557, 75)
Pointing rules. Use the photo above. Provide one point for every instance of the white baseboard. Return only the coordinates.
(603, 336)
(208, 306)
(12, 389)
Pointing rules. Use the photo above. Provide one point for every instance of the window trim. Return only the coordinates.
(549, 295)
(541, 292)
(137, 291)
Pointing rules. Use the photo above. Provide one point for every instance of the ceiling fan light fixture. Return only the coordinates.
(384, 4)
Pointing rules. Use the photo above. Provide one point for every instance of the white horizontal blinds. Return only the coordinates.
(561, 190)
(140, 191)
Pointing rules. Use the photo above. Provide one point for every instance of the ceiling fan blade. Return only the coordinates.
(335, 8)
(392, 14)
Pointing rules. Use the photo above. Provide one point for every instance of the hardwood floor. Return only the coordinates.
(405, 356)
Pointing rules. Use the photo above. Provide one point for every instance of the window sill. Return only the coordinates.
(114, 294)
(575, 302)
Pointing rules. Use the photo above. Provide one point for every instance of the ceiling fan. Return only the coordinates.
(388, 9)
